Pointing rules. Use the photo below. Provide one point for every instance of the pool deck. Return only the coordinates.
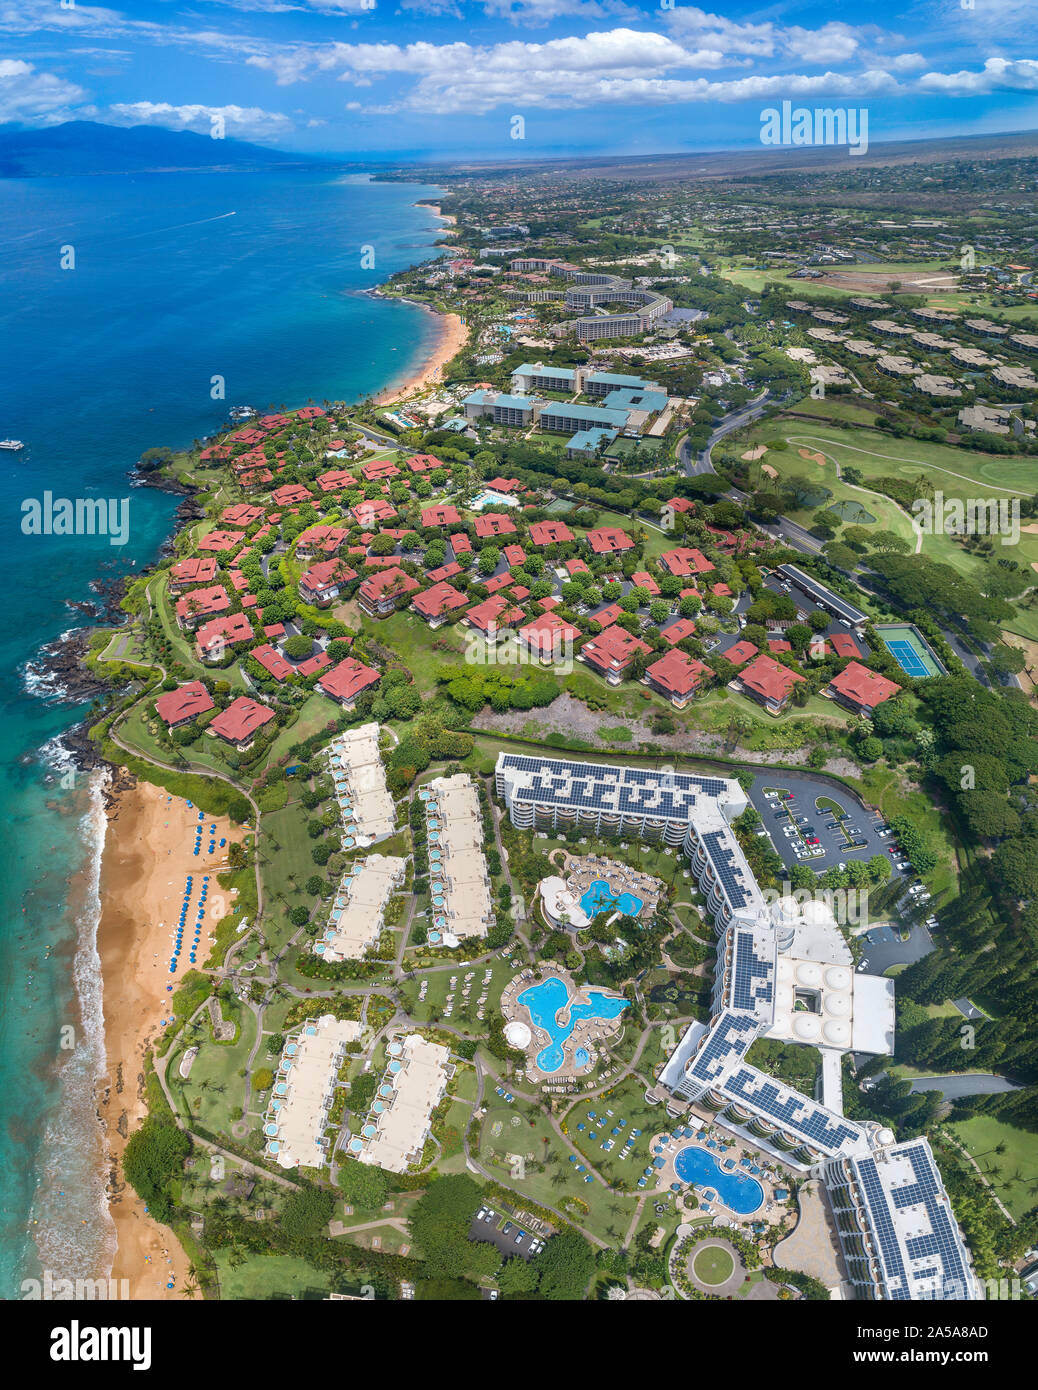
(769, 1178)
(581, 871)
(587, 1033)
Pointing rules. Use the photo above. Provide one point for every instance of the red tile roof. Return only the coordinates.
(494, 524)
(550, 533)
(387, 583)
(320, 661)
(678, 631)
(684, 561)
(373, 510)
(379, 469)
(345, 681)
(608, 540)
(642, 579)
(289, 493)
(200, 602)
(614, 649)
(845, 645)
(505, 485)
(447, 571)
(226, 631)
(271, 660)
(677, 673)
(549, 635)
(863, 687)
(241, 514)
(441, 598)
(335, 480)
(496, 611)
(443, 515)
(185, 702)
(196, 569)
(240, 720)
(514, 555)
(220, 540)
(769, 678)
(461, 543)
(740, 653)
(779, 644)
(320, 537)
(576, 566)
(424, 463)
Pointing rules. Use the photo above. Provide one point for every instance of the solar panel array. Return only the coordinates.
(919, 1203)
(753, 973)
(733, 877)
(630, 791)
(802, 1117)
(816, 591)
(730, 1037)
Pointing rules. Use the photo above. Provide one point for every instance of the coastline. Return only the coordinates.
(452, 335)
(147, 854)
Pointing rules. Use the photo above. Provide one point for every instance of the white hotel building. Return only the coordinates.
(782, 972)
(304, 1087)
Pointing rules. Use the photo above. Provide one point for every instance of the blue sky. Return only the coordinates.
(427, 78)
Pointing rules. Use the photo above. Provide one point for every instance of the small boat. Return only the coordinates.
(11, 444)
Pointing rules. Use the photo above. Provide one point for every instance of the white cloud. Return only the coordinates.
(240, 122)
(997, 74)
(29, 95)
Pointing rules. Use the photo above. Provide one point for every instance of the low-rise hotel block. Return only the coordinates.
(367, 808)
(304, 1089)
(358, 912)
(459, 882)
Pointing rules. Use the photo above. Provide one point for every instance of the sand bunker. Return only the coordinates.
(755, 452)
(767, 468)
(813, 458)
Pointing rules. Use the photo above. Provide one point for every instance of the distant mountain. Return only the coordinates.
(85, 147)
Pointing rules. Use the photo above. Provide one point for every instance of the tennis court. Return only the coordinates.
(910, 650)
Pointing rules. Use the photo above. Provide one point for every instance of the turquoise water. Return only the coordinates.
(738, 1192)
(488, 497)
(598, 899)
(543, 1003)
(178, 278)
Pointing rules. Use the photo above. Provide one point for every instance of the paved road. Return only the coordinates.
(745, 415)
(953, 1087)
(890, 950)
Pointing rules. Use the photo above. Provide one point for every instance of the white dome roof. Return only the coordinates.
(781, 1023)
(839, 1005)
(518, 1034)
(783, 970)
(838, 1032)
(808, 973)
(837, 977)
(807, 1027)
(885, 1136)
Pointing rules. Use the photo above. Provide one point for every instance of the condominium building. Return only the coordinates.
(414, 1083)
(366, 806)
(301, 1099)
(459, 881)
(358, 912)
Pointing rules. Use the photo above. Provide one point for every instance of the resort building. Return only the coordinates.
(240, 721)
(769, 682)
(784, 971)
(414, 1083)
(344, 682)
(612, 652)
(462, 906)
(213, 638)
(197, 569)
(182, 705)
(861, 689)
(322, 583)
(549, 638)
(304, 1089)
(355, 762)
(379, 593)
(438, 604)
(896, 1227)
(357, 914)
(677, 676)
(202, 603)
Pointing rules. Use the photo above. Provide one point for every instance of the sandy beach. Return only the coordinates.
(451, 338)
(147, 856)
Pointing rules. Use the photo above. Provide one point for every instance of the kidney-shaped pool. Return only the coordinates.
(739, 1193)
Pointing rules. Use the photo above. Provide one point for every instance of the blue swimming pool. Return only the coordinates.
(545, 1001)
(598, 898)
(738, 1192)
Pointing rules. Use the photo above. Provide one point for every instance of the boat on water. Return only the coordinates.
(11, 444)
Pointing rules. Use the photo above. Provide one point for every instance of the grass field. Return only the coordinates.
(270, 1276)
(1014, 1173)
(712, 1264)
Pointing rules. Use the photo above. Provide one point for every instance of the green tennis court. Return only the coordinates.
(910, 650)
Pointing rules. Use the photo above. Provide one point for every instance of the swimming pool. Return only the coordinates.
(599, 898)
(489, 498)
(738, 1192)
(543, 1003)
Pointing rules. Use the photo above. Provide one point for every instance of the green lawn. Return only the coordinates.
(1014, 1173)
(712, 1264)
(270, 1276)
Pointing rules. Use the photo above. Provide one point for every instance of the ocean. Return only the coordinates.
(127, 303)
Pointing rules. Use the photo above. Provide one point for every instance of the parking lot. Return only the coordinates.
(510, 1238)
(791, 824)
